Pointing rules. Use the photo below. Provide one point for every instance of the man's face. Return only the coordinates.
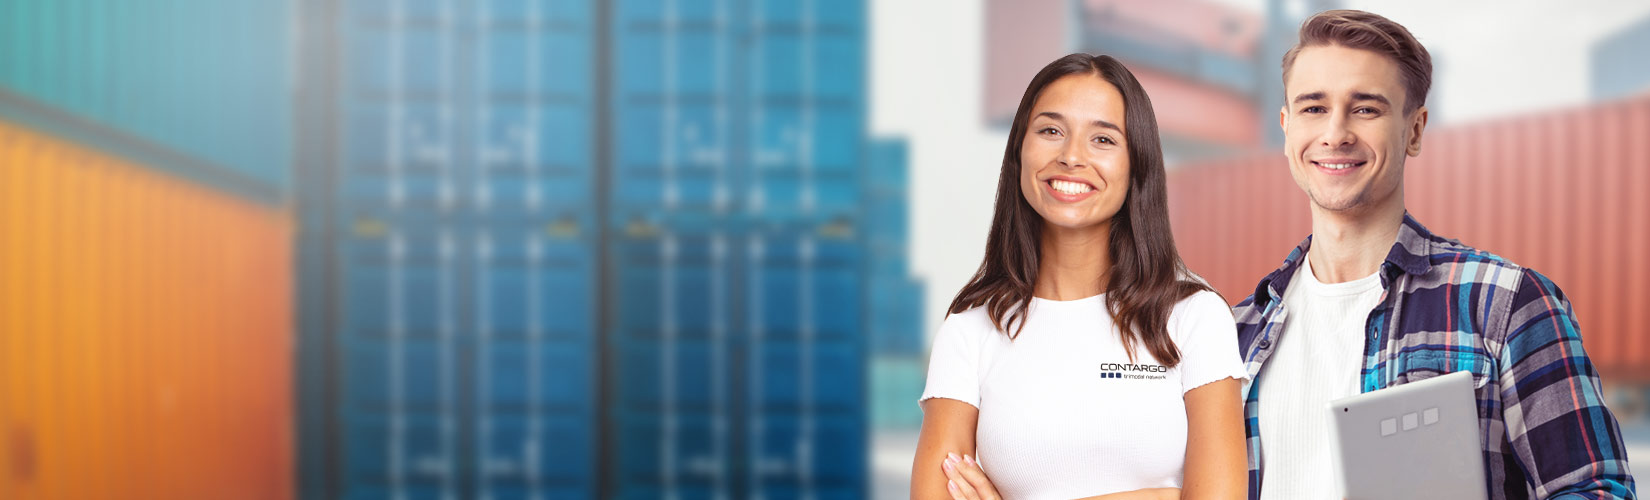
(1345, 130)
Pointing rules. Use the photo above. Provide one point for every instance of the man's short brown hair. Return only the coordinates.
(1356, 29)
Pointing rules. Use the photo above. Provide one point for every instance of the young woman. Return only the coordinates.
(1082, 359)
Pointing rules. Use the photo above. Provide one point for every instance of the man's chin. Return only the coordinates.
(1348, 203)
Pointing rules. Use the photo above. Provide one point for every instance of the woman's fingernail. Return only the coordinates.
(948, 466)
(953, 456)
(951, 485)
(968, 460)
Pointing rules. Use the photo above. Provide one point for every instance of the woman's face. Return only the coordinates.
(1074, 163)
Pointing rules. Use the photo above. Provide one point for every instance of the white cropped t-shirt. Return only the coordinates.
(1063, 412)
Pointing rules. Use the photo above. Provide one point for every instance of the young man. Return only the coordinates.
(1372, 299)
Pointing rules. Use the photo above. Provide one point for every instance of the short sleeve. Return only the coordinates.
(953, 366)
(1204, 331)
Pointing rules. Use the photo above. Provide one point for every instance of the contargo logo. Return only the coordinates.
(1133, 371)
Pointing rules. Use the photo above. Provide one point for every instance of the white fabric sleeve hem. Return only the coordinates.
(953, 366)
(926, 397)
(1206, 335)
(1244, 375)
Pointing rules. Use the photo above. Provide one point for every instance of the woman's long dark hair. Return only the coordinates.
(1147, 275)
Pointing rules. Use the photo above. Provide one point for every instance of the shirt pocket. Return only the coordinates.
(1424, 364)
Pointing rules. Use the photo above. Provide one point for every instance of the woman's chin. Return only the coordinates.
(1075, 222)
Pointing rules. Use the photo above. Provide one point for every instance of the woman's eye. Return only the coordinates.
(1105, 140)
(1048, 131)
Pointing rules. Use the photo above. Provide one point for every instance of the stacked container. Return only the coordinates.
(498, 182)
(893, 301)
(145, 260)
(452, 293)
(736, 347)
(805, 427)
(673, 237)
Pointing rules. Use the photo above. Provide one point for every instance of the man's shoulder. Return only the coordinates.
(1490, 289)
(1454, 263)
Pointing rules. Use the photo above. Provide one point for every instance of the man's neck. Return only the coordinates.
(1348, 246)
(1072, 263)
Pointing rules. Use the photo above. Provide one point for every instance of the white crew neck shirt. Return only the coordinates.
(1063, 412)
(1317, 360)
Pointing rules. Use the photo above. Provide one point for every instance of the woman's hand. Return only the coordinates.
(967, 480)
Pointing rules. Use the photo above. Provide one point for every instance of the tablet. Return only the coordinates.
(1416, 440)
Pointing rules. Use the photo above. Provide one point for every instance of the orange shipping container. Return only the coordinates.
(145, 332)
(1565, 193)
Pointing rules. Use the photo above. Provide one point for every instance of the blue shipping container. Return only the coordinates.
(672, 344)
(462, 197)
(208, 83)
(893, 301)
(738, 349)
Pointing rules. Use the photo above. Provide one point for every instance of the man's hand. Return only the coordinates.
(967, 480)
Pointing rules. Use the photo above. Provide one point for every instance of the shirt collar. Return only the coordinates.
(1410, 254)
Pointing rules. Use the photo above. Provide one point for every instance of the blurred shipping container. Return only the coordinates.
(893, 301)
(210, 80)
(1617, 62)
(145, 323)
(582, 248)
(1558, 192)
(897, 383)
(737, 351)
(145, 250)
(450, 272)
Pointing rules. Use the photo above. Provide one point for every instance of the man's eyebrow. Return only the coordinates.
(1365, 96)
(1098, 123)
(1356, 96)
(1311, 96)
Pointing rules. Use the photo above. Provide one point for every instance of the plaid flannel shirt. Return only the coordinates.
(1448, 307)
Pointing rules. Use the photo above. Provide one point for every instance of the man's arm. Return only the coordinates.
(1563, 436)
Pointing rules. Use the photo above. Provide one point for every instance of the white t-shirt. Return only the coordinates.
(1318, 358)
(1063, 413)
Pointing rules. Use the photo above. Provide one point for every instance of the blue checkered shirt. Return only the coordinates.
(1448, 307)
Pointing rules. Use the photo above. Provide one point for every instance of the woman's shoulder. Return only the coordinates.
(968, 331)
(1203, 300)
(972, 321)
(1201, 307)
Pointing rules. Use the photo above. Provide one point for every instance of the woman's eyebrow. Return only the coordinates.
(1097, 123)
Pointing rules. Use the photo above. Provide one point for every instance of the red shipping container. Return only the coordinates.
(145, 332)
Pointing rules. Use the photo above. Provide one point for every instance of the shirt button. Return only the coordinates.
(1265, 343)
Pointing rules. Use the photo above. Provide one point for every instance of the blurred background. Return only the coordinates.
(662, 248)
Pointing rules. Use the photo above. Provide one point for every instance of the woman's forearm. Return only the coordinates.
(927, 479)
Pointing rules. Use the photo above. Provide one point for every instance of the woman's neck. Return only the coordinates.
(1073, 263)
